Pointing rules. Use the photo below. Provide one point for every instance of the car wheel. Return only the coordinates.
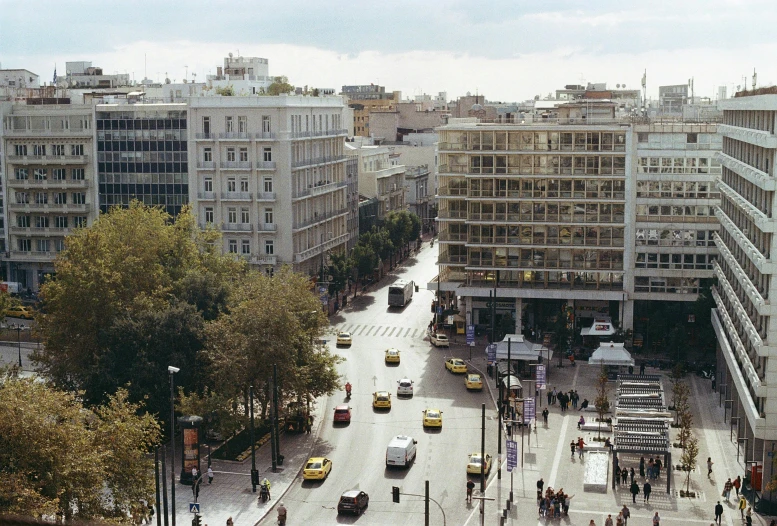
(358, 510)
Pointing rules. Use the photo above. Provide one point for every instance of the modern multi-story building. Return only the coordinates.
(745, 320)
(270, 173)
(49, 180)
(380, 176)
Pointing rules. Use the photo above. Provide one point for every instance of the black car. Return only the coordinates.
(353, 501)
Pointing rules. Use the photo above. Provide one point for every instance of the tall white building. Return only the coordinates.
(745, 320)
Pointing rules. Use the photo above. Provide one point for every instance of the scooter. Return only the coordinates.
(348, 392)
(264, 493)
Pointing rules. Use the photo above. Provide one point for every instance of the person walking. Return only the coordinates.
(642, 368)
(631, 474)
(642, 467)
(749, 517)
(540, 485)
(580, 447)
(554, 396)
(709, 466)
(618, 474)
(545, 416)
(737, 484)
(608, 520)
(626, 512)
(470, 487)
(572, 448)
(742, 505)
(619, 520)
(634, 492)
(718, 512)
(550, 397)
(230, 522)
(210, 475)
(646, 489)
(727, 489)
(624, 475)
(656, 520)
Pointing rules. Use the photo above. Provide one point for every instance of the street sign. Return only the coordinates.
(194, 507)
(528, 410)
(491, 350)
(512, 455)
(439, 311)
(541, 377)
(470, 335)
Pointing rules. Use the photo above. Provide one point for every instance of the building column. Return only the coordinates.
(468, 310)
(627, 309)
(768, 453)
(518, 314)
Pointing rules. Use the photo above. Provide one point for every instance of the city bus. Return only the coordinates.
(400, 293)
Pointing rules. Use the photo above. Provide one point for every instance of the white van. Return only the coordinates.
(401, 451)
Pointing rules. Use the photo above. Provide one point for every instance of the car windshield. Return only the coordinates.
(458, 362)
(344, 335)
(382, 398)
(341, 411)
(442, 337)
(432, 414)
(474, 460)
(313, 465)
(474, 378)
(404, 384)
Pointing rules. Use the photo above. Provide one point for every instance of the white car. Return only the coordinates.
(405, 387)
(439, 339)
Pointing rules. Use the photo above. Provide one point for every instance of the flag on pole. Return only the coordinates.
(55, 75)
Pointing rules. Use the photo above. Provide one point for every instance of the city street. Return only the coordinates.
(358, 450)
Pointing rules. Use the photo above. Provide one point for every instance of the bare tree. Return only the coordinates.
(602, 402)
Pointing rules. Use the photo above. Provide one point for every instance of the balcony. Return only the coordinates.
(320, 217)
(265, 135)
(235, 165)
(201, 135)
(38, 230)
(317, 160)
(758, 177)
(265, 165)
(237, 227)
(53, 207)
(760, 138)
(446, 259)
(320, 248)
(264, 260)
(236, 196)
(322, 133)
(206, 165)
(265, 196)
(234, 135)
(452, 214)
(267, 227)
(206, 196)
(756, 216)
(62, 132)
(48, 159)
(48, 183)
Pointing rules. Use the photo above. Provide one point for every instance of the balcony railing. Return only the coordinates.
(46, 159)
(320, 248)
(206, 196)
(53, 183)
(265, 135)
(267, 227)
(236, 196)
(264, 260)
(319, 217)
(70, 131)
(234, 135)
(235, 165)
(237, 227)
(201, 135)
(70, 207)
(265, 196)
(265, 165)
(206, 165)
(317, 160)
(322, 133)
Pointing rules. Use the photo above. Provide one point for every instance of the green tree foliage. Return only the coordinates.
(6, 301)
(340, 268)
(226, 91)
(280, 86)
(688, 459)
(684, 415)
(365, 260)
(271, 321)
(562, 335)
(602, 402)
(130, 297)
(58, 458)
(402, 227)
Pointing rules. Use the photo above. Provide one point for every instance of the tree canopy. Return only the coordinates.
(280, 86)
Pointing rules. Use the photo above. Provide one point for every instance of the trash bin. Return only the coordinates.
(280, 460)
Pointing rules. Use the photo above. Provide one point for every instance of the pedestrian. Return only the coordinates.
(210, 475)
(309, 424)
(737, 484)
(749, 517)
(650, 468)
(550, 397)
(656, 520)
(709, 466)
(470, 487)
(626, 512)
(634, 492)
(646, 489)
(572, 449)
(230, 522)
(580, 422)
(580, 447)
(742, 505)
(554, 396)
(727, 489)
(631, 474)
(718, 512)
(608, 520)
(575, 399)
(625, 475)
(642, 467)
(592, 523)
(658, 467)
(642, 368)
(545, 416)
(567, 501)
(540, 485)
(619, 520)
(618, 475)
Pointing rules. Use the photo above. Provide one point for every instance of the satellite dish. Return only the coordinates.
(623, 86)
(617, 85)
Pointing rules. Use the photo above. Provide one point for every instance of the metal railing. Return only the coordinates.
(236, 196)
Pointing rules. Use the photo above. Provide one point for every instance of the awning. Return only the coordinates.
(520, 349)
(611, 354)
(601, 327)
(515, 382)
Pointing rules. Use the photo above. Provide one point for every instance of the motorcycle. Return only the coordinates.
(264, 493)
(348, 391)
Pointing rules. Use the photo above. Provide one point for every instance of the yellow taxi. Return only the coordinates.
(381, 400)
(20, 311)
(432, 418)
(344, 338)
(392, 355)
(473, 382)
(474, 462)
(317, 468)
(456, 365)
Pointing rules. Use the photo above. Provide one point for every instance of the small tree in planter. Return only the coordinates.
(681, 392)
(688, 461)
(602, 403)
(685, 418)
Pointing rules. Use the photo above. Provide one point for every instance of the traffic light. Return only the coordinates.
(197, 520)
(395, 493)
(255, 477)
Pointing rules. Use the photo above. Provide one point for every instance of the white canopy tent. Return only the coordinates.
(611, 354)
(520, 349)
(602, 326)
(515, 382)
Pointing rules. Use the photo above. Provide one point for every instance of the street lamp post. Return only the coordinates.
(172, 370)
(19, 328)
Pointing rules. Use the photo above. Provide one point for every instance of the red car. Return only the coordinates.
(342, 413)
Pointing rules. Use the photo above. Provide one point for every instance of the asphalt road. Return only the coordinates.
(358, 450)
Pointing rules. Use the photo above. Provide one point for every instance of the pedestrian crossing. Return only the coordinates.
(383, 331)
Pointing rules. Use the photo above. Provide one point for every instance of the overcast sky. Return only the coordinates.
(505, 50)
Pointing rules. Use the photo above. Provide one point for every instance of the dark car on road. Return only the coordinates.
(353, 501)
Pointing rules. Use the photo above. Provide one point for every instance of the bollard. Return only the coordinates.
(509, 505)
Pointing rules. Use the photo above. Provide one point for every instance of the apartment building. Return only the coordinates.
(419, 193)
(270, 173)
(380, 176)
(745, 320)
(364, 99)
(352, 189)
(49, 179)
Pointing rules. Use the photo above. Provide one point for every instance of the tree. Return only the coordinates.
(341, 268)
(562, 334)
(6, 301)
(684, 415)
(602, 402)
(365, 259)
(130, 297)
(58, 458)
(280, 86)
(226, 91)
(688, 459)
(680, 390)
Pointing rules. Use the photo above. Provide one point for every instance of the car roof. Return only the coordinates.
(343, 333)
(351, 493)
(342, 407)
(455, 360)
(470, 375)
(392, 350)
(316, 459)
(381, 393)
(430, 410)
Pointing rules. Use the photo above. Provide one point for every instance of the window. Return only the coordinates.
(79, 221)
(39, 174)
(268, 216)
(266, 124)
(642, 137)
(79, 198)
(692, 138)
(229, 127)
(41, 221)
(59, 245)
(242, 124)
(244, 184)
(268, 184)
(59, 174)
(267, 155)
(244, 216)
(78, 174)
(60, 221)
(231, 184)
(25, 245)
(21, 173)
(244, 155)
(209, 214)
(58, 149)
(232, 246)
(23, 221)
(230, 155)
(39, 149)
(22, 198)
(20, 149)
(76, 149)
(206, 126)
(232, 215)
(207, 184)
(207, 155)
(41, 198)
(60, 198)
(245, 247)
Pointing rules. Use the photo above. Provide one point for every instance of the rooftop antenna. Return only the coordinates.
(755, 78)
(186, 77)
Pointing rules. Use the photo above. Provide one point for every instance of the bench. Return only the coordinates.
(594, 426)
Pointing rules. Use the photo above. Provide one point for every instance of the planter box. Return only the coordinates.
(597, 466)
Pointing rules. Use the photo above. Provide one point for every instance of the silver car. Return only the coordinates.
(405, 387)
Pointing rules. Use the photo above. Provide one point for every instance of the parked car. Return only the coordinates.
(439, 340)
(20, 311)
(353, 501)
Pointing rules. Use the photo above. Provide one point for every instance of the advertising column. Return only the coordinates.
(190, 452)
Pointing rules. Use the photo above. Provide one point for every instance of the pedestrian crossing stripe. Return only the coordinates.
(383, 331)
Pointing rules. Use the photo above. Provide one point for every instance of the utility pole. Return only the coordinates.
(482, 462)
(276, 447)
(254, 473)
(426, 503)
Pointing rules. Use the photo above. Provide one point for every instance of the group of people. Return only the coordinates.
(652, 469)
(622, 475)
(552, 504)
(564, 399)
(622, 519)
(578, 445)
